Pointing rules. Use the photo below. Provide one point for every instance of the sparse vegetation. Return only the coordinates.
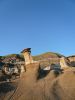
(46, 56)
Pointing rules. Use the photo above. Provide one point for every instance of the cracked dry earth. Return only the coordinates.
(50, 87)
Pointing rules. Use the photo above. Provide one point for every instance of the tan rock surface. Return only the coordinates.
(28, 87)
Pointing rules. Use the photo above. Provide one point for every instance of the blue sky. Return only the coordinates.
(43, 25)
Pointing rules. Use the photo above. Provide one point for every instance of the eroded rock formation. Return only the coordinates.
(27, 56)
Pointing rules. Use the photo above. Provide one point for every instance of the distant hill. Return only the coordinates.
(12, 58)
(45, 58)
(47, 55)
(48, 58)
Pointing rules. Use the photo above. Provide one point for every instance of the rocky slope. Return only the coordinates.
(49, 87)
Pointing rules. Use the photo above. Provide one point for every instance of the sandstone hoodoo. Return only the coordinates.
(27, 56)
(64, 62)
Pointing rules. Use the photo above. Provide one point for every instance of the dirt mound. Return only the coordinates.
(49, 87)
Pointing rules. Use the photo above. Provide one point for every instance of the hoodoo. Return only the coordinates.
(64, 62)
(27, 56)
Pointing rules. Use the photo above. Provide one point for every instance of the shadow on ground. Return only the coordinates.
(7, 87)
